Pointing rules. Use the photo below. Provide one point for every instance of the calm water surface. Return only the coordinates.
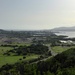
(70, 34)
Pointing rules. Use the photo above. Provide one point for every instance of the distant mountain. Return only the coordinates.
(1, 30)
(63, 29)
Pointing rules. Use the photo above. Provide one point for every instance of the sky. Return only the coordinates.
(36, 14)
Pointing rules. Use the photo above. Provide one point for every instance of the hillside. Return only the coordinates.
(61, 64)
(63, 29)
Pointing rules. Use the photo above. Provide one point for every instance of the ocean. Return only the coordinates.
(70, 34)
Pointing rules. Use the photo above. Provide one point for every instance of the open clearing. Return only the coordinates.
(59, 49)
(4, 49)
(13, 59)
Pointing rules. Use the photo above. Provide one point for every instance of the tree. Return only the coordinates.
(49, 73)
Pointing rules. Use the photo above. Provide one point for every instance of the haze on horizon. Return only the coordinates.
(36, 14)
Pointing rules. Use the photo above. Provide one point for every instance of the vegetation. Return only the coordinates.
(61, 64)
(59, 49)
(30, 53)
(15, 53)
(4, 49)
(13, 59)
(24, 50)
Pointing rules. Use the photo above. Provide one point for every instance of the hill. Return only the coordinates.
(61, 64)
(63, 29)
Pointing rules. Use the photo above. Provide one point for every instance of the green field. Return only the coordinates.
(14, 59)
(21, 44)
(4, 49)
(59, 49)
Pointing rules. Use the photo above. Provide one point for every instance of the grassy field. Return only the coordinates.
(59, 49)
(4, 49)
(14, 59)
(21, 44)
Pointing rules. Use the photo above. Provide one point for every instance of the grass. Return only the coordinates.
(4, 49)
(13, 59)
(9, 59)
(59, 49)
(21, 44)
